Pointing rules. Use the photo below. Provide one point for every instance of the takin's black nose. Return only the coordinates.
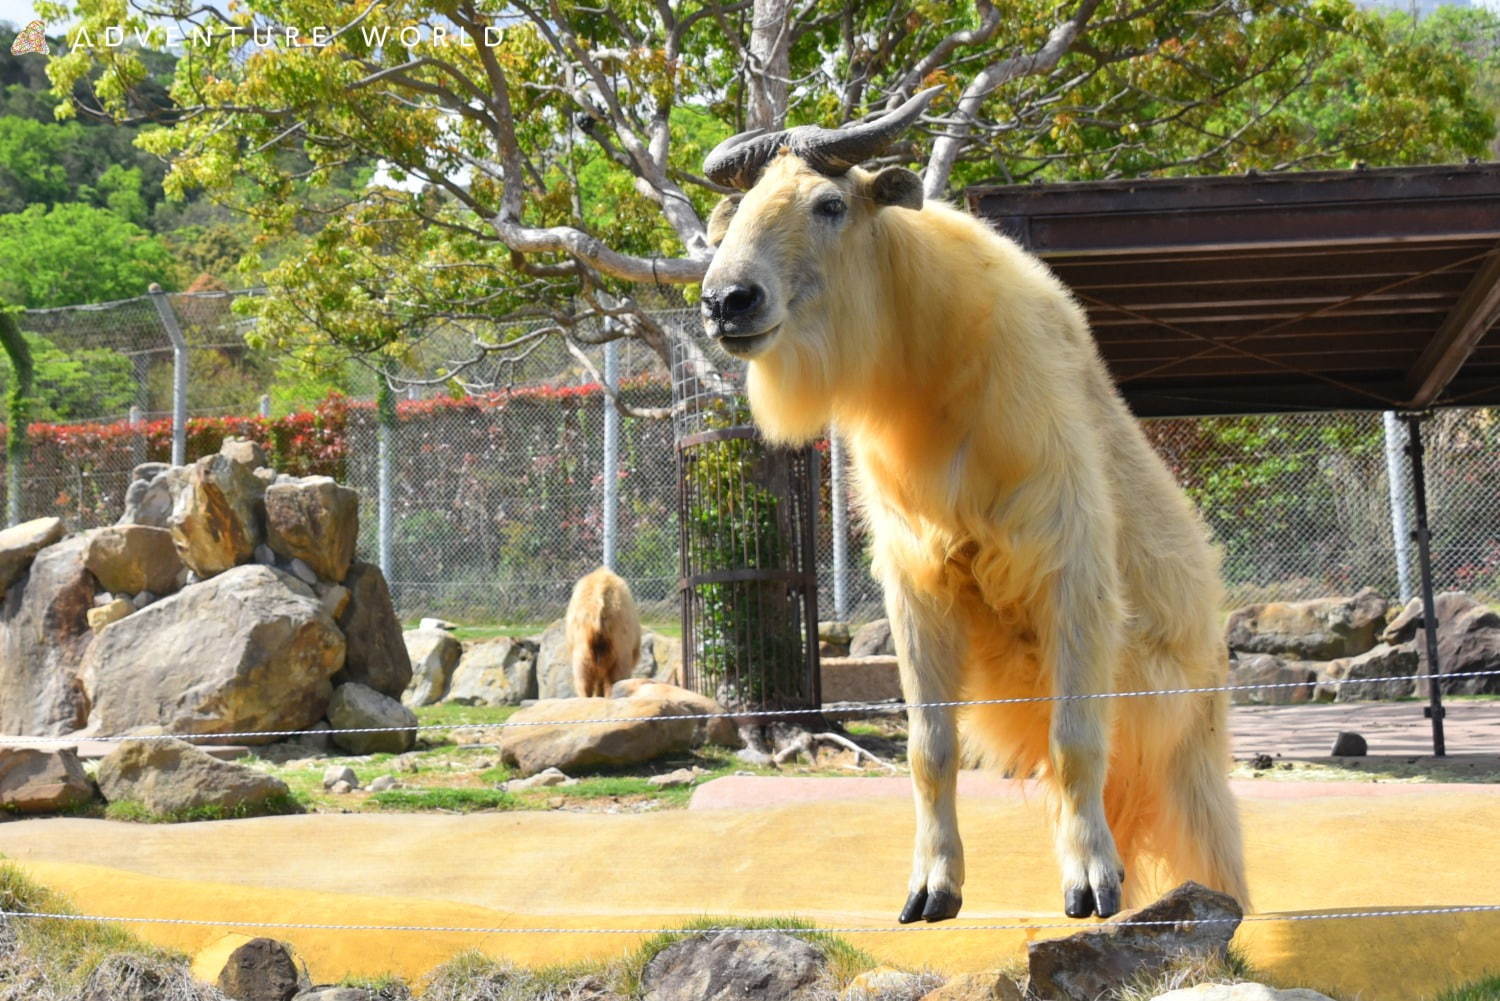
(732, 303)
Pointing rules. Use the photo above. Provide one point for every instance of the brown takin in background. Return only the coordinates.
(603, 632)
(1030, 542)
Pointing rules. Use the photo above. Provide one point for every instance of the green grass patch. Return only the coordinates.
(138, 813)
(453, 714)
(455, 800)
(1484, 989)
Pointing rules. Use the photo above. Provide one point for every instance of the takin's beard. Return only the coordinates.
(791, 388)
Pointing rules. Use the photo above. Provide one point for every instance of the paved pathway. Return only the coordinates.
(1394, 728)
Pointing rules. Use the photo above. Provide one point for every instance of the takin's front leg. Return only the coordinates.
(1083, 638)
(928, 651)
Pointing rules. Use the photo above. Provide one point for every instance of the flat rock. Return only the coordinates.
(1240, 992)
(262, 969)
(19, 545)
(888, 984)
(1264, 669)
(988, 986)
(1091, 963)
(623, 739)
(682, 701)
(1320, 629)
(171, 776)
(543, 779)
(494, 672)
(376, 653)
(248, 650)
(244, 451)
(434, 654)
(217, 516)
(133, 558)
(33, 780)
(44, 636)
(334, 774)
(355, 706)
(736, 966)
(316, 520)
(430, 623)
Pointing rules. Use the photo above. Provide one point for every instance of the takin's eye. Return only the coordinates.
(830, 207)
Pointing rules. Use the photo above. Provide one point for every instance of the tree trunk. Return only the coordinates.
(17, 414)
(770, 64)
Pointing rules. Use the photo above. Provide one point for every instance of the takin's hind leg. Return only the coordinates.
(928, 651)
(1200, 834)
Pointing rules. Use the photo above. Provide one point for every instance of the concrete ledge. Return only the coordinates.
(860, 679)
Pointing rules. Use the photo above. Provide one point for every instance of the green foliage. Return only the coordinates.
(69, 385)
(1483, 989)
(76, 253)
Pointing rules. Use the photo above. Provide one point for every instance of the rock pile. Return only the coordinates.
(1313, 646)
(226, 599)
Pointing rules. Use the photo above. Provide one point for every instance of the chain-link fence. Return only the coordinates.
(496, 485)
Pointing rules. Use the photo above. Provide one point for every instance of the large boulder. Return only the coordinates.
(1092, 963)
(244, 451)
(355, 707)
(434, 654)
(248, 650)
(1264, 669)
(33, 780)
(19, 545)
(873, 639)
(152, 494)
(661, 659)
(170, 777)
(262, 969)
(1384, 661)
(494, 672)
(376, 655)
(554, 666)
(622, 738)
(44, 634)
(217, 516)
(680, 701)
(1468, 636)
(129, 559)
(1320, 629)
(315, 520)
(736, 966)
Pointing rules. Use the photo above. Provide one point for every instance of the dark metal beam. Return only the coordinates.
(1472, 316)
(1423, 537)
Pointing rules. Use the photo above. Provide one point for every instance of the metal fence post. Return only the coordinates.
(1400, 504)
(385, 430)
(265, 407)
(137, 437)
(611, 498)
(179, 373)
(840, 526)
(1434, 708)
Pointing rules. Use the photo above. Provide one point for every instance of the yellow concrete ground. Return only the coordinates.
(837, 864)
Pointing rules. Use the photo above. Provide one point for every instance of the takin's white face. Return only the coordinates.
(795, 261)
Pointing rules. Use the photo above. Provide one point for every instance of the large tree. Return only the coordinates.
(539, 159)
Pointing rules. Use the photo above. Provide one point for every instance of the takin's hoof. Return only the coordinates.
(923, 906)
(1081, 901)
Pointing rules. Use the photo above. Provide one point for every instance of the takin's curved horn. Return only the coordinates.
(737, 161)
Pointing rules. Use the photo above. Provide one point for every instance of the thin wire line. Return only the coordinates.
(899, 929)
(838, 710)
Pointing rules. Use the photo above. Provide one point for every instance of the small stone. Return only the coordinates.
(679, 777)
(336, 994)
(549, 777)
(1350, 745)
(341, 788)
(335, 774)
(185, 576)
(382, 783)
(886, 984)
(260, 970)
(1240, 992)
(264, 556)
(303, 572)
(114, 611)
(103, 598)
(143, 599)
(989, 986)
(443, 624)
(266, 475)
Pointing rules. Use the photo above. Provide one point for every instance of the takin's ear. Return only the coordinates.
(718, 220)
(896, 186)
